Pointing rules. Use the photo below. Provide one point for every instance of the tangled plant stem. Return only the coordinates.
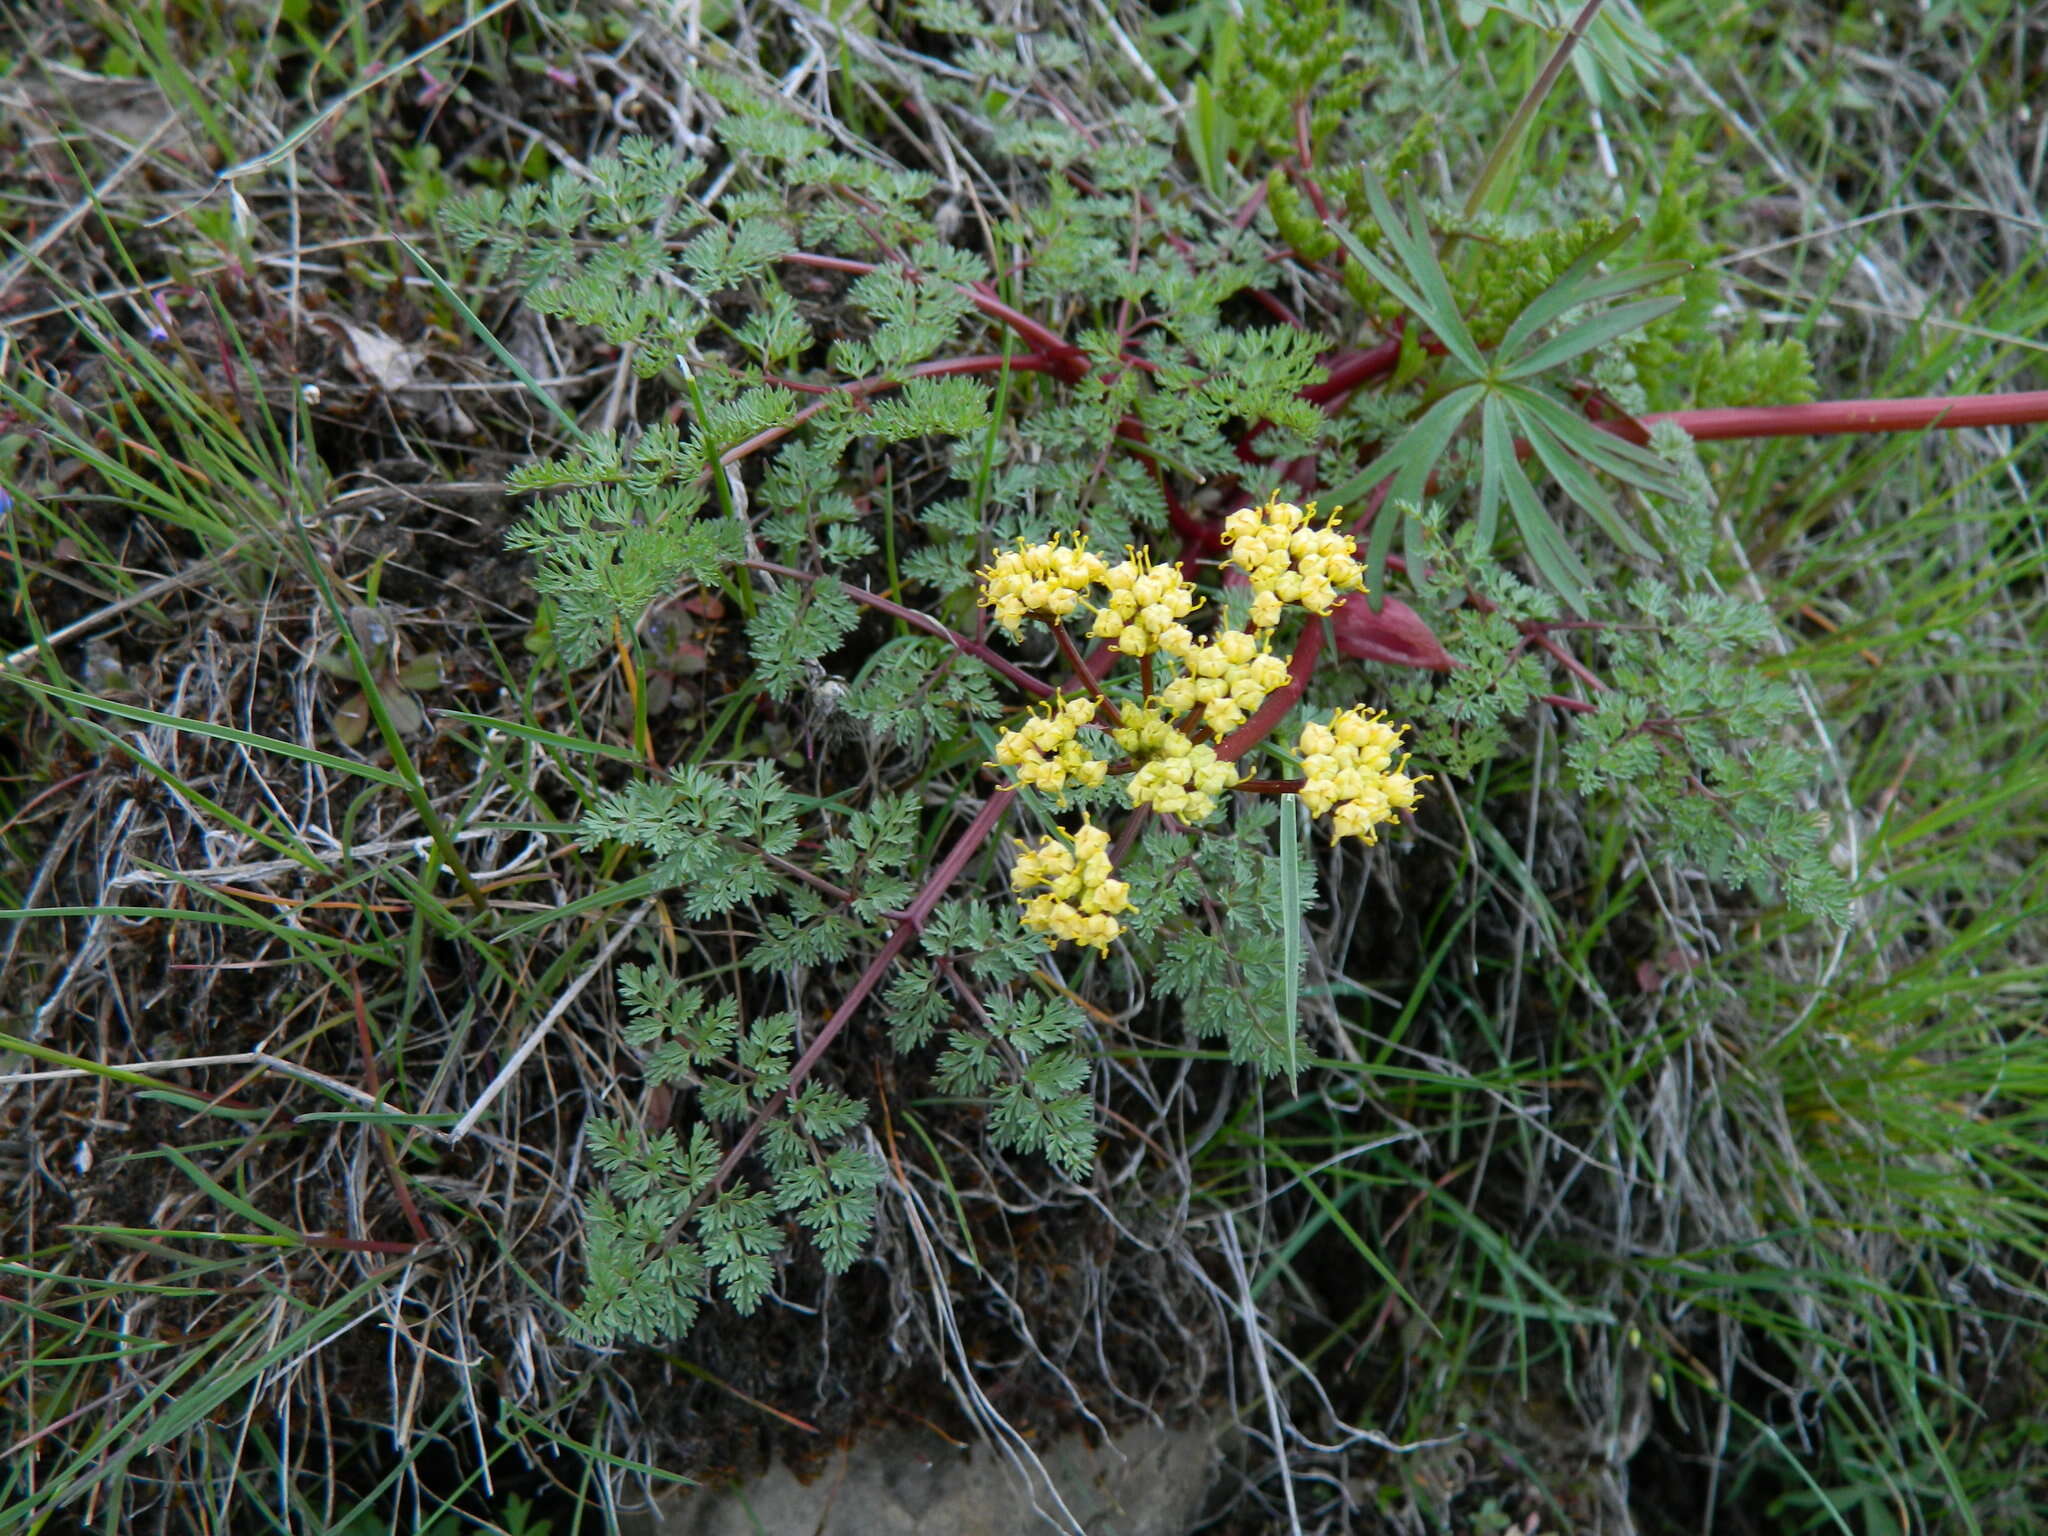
(1348, 372)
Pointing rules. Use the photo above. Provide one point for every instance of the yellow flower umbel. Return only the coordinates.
(1228, 677)
(1211, 687)
(1081, 898)
(1145, 606)
(1349, 770)
(1039, 580)
(1045, 753)
(1174, 775)
(1291, 561)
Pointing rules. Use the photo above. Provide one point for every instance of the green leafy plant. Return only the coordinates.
(394, 676)
(677, 1221)
(1157, 392)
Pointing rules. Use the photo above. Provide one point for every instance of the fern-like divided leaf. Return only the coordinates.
(631, 248)
(660, 1239)
(725, 844)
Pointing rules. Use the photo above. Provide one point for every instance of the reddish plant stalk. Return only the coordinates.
(860, 389)
(1350, 369)
(1301, 666)
(909, 923)
(1084, 674)
(1567, 660)
(1065, 359)
(1250, 209)
(1269, 786)
(998, 664)
(1833, 418)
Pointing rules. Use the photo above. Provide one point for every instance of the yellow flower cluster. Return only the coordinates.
(1045, 753)
(1291, 561)
(1145, 606)
(1081, 898)
(1174, 775)
(1227, 678)
(1348, 768)
(1213, 685)
(1042, 580)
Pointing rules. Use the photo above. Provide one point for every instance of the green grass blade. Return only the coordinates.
(207, 728)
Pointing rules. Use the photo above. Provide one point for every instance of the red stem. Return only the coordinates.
(1063, 358)
(907, 927)
(931, 626)
(978, 362)
(1085, 675)
(1351, 369)
(1832, 418)
(1567, 660)
(860, 389)
(1305, 176)
(1275, 306)
(1243, 217)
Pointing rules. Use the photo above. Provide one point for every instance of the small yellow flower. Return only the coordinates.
(1081, 896)
(1144, 607)
(1174, 775)
(1289, 560)
(1045, 751)
(1039, 581)
(1348, 770)
(1227, 677)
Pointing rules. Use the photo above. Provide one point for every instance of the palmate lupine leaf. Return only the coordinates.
(1421, 285)
(1594, 331)
(1548, 549)
(1410, 463)
(1579, 286)
(1548, 443)
(1510, 404)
